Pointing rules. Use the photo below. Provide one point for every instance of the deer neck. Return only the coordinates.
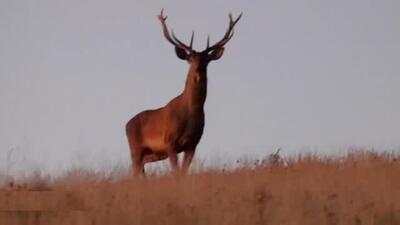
(195, 92)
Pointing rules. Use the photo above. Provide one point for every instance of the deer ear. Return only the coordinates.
(217, 53)
(181, 53)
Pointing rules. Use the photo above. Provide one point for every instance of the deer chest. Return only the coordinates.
(194, 126)
(191, 132)
(187, 131)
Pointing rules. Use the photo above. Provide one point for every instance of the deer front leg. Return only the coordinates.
(173, 159)
(187, 159)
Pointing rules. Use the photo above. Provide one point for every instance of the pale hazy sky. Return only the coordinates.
(301, 75)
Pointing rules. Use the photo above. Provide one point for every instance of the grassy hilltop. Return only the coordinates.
(361, 188)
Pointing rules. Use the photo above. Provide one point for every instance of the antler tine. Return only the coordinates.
(191, 40)
(162, 15)
(230, 18)
(237, 19)
(208, 41)
(175, 41)
(180, 43)
(228, 35)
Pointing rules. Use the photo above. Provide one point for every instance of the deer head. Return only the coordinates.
(197, 59)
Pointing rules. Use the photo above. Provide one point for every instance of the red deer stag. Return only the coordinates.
(162, 133)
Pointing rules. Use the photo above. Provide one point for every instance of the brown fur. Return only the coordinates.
(177, 127)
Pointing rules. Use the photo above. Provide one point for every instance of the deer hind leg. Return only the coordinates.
(187, 159)
(137, 161)
(138, 167)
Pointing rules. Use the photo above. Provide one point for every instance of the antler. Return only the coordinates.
(228, 35)
(174, 40)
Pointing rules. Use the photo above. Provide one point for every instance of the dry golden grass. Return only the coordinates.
(362, 188)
